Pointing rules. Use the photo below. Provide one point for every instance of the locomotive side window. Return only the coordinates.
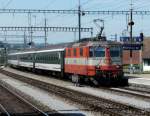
(74, 52)
(81, 51)
(69, 52)
(115, 51)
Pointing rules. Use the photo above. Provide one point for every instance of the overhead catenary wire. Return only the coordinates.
(49, 4)
(105, 4)
(9, 1)
(143, 6)
(86, 2)
(119, 4)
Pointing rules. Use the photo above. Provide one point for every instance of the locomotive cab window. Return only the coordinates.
(91, 52)
(115, 51)
(97, 52)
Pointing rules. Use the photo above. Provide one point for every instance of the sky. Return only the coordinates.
(114, 24)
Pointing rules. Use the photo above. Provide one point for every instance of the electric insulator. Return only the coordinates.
(83, 13)
(131, 23)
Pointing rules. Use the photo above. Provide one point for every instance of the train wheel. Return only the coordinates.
(95, 82)
(124, 82)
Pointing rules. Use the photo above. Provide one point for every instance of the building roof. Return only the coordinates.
(146, 48)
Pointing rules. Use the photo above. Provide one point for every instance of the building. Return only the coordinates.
(146, 54)
(140, 58)
(136, 60)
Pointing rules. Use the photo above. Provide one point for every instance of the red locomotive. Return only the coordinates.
(97, 61)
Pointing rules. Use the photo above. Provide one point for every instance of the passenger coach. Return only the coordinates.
(51, 60)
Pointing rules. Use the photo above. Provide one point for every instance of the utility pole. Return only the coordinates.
(131, 23)
(31, 37)
(25, 42)
(45, 33)
(5, 38)
(74, 36)
(79, 20)
(30, 32)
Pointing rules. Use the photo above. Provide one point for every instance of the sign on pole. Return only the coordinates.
(131, 46)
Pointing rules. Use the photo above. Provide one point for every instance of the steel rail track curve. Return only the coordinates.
(138, 89)
(25, 101)
(5, 111)
(128, 91)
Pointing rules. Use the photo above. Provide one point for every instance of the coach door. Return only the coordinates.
(62, 61)
(33, 60)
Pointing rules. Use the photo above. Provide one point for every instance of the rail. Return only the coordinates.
(5, 111)
(25, 101)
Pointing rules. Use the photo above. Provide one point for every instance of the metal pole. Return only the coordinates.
(74, 36)
(141, 63)
(31, 37)
(131, 24)
(5, 33)
(45, 33)
(79, 20)
(91, 33)
(25, 42)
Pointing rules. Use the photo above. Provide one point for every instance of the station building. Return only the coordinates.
(140, 58)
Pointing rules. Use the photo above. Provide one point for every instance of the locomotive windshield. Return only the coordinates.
(97, 52)
(115, 51)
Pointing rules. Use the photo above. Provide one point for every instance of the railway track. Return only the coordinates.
(91, 102)
(17, 105)
(138, 89)
(3, 111)
(130, 91)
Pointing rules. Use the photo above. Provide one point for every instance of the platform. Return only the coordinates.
(142, 80)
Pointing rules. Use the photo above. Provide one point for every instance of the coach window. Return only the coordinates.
(81, 51)
(74, 52)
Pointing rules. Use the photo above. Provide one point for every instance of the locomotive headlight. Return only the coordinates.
(117, 66)
(97, 66)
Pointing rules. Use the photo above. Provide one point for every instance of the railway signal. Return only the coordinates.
(142, 37)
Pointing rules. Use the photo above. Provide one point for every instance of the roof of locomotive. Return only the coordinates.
(96, 43)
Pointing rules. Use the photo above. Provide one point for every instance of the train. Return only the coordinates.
(96, 62)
